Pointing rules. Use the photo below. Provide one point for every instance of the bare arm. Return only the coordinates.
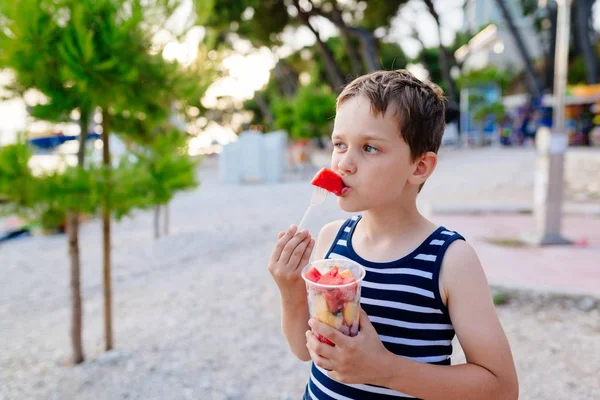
(286, 272)
(489, 372)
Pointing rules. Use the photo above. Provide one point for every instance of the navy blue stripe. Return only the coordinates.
(398, 279)
(417, 351)
(404, 315)
(349, 391)
(417, 334)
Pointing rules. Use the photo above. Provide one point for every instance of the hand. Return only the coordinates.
(292, 252)
(351, 359)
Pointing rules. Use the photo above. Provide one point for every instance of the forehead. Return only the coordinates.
(355, 116)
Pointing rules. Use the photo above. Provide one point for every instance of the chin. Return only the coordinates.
(350, 206)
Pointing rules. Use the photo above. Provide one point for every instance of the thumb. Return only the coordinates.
(363, 321)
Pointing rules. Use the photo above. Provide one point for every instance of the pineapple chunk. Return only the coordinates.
(347, 273)
(320, 309)
(350, 312)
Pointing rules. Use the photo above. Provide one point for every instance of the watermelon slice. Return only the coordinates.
(313, 274)
(329, 180)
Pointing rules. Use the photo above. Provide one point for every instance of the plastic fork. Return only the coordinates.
(318, 197)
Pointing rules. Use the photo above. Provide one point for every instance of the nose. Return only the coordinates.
(346, 163)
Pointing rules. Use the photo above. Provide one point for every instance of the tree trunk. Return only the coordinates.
(333, 72)
(84, 121)
(368, 44)
(156, 222)
(166, 221)
(106, 233)
(444, 57)
(531, 78)
(347, 40)
(77, 309)
(287, 78)
(368, 48)
(583, 16)
(264, 109)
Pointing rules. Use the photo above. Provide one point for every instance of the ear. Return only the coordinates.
(423, 168)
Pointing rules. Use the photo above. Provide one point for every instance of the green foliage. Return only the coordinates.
(380, 12)
(17, 183)
(392, 56)
(576, 73)
(483, 77)
(309, 114)
(161, 168)
(45, 196)
(83, 54)
(495, 110)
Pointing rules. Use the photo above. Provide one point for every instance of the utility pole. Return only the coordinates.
(552, 145)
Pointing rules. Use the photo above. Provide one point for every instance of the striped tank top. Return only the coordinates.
(403, 303)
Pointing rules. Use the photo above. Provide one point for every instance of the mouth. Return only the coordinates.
(346, 188)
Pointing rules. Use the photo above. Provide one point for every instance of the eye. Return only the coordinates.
(339, 145)
(370, 149)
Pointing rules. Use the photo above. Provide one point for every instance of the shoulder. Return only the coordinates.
(326, 237)
(461, 268)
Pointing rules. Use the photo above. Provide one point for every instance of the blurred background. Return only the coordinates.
(150, 152)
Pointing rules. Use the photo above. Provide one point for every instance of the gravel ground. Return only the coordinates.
(196, 315)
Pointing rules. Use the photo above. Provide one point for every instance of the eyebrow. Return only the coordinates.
(363, 137)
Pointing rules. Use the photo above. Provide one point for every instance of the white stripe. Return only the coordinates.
(399, 306)
(399, 288)
(431, 359)
(325, 390)
(336, 255)
(426, 257)
(414, 342)
(411, 325)
(436, 242)
(342, 242)
(366, 388)
(379, 390)
(312, 395)
(405, 271)
(447, 233)
(355, 217)
(347, 229)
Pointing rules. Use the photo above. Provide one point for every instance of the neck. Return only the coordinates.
(395, 221)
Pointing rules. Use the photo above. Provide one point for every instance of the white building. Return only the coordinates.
(495, 45)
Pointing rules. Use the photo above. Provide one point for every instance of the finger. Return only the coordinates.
(328, 332)
(299, 252)
(307, 253)
(321, 349)
(291, 245)
(321, 361)
(280, 235)
(364, 323)
(276, 255)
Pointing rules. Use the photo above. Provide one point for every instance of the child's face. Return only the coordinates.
(370, 155)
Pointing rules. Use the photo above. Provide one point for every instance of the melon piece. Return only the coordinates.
(313, 274)
(329, 180)
(330, 277)
(334, 300)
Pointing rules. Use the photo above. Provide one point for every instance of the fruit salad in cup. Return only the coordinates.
(333, 287)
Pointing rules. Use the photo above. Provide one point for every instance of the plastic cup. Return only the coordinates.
(335, 305)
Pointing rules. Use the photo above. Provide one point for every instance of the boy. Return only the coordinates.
(424, 283)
